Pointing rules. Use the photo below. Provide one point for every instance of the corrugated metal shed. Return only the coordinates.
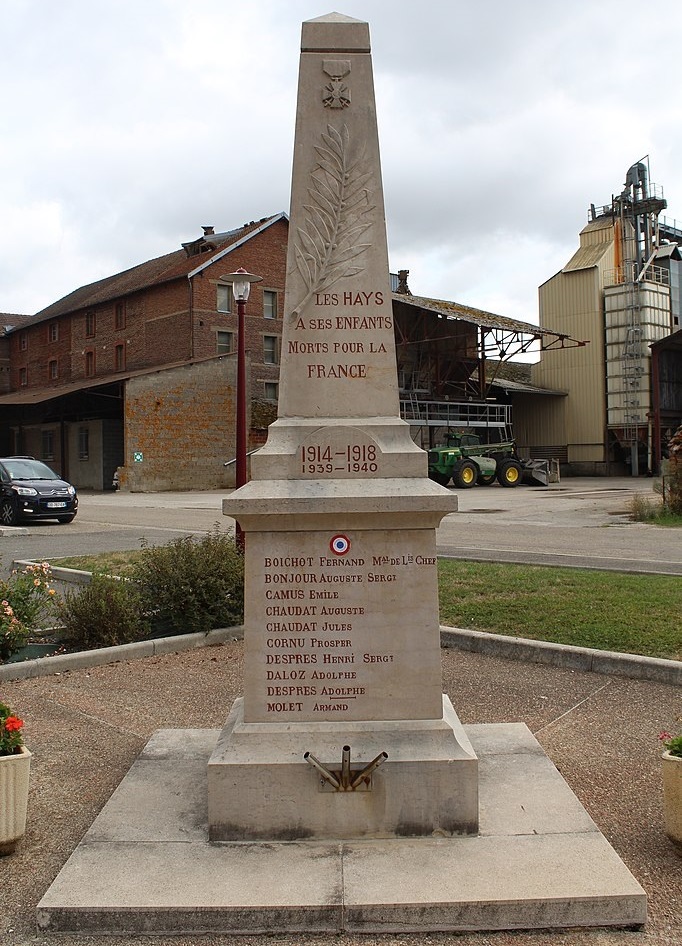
(486, 320)
(521, 387)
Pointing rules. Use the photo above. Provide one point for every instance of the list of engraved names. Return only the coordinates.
(327, 647)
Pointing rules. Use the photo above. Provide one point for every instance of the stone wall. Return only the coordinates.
(179, 428)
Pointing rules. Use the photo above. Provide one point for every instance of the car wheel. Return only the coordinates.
(485, 479)
(466, 475)
(62, 520)
(509, 473)
(8, 512)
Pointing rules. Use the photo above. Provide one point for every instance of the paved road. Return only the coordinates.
(580, 522)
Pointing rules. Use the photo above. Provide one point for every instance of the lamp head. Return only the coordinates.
(240, 281)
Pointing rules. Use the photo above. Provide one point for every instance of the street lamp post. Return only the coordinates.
(241, 286)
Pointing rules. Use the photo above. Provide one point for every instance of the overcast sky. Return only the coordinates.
(126, 125)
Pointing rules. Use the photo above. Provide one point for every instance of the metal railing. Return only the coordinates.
(627, 273)
(454, 413)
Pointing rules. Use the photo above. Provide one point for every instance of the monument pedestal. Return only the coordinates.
(260, 786)
(342, 652)
(146, 866)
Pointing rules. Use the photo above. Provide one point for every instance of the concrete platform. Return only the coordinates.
(146, 865)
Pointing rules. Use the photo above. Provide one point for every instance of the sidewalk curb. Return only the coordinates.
(585, 659)
(61, 663)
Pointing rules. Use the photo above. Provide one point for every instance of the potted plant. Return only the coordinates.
(15, 763)
(672, 787)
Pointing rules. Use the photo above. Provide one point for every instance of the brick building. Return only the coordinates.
(137, 372)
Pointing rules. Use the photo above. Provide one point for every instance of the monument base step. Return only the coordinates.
(260, 786)
(146, 864)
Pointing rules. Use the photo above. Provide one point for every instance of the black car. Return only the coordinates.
(29, 489)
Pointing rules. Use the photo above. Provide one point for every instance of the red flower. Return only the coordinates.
(13, 724)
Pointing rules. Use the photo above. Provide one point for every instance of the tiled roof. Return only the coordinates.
(173, 265)
(12, 320)
(39, 395)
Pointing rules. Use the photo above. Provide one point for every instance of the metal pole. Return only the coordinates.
(240, 475)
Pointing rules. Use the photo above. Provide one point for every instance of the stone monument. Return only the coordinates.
(343, 730)
(343, 793)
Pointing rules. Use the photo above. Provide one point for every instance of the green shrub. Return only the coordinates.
(192, 585)
(107, 612)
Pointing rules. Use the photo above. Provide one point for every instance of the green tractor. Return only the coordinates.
(467, 462)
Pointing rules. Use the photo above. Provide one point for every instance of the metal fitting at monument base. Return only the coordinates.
(346, 779)
(262, 787)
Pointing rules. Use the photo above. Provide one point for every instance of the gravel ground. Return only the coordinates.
(85, 728)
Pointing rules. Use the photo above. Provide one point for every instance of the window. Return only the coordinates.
(53, 369)
(270, 350)
(47, 445)
(83, 443)
(23, 341)
(224, 343)
(90, 323)
(271, 390)
(269, 304)
(224, 298)
(23, 377)
(89, 364)
(120, 315)
(53, 331)
(120, 358)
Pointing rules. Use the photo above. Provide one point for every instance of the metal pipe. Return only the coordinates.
(368, 769)
(345, 768)
(324, 772)
(234, 460)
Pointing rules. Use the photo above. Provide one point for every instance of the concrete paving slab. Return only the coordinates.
(146, 865)
(491, 883)
(173, 888)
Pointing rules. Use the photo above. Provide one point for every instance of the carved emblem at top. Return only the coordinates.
(336, 93)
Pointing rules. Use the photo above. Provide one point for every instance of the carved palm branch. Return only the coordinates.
(328, 247)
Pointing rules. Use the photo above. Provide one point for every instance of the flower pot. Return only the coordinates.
(672, 798)
(14, 771)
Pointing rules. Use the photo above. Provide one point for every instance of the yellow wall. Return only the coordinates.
(571, 303)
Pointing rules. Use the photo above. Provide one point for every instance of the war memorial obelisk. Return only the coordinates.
(342, 793)
(342, 644)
